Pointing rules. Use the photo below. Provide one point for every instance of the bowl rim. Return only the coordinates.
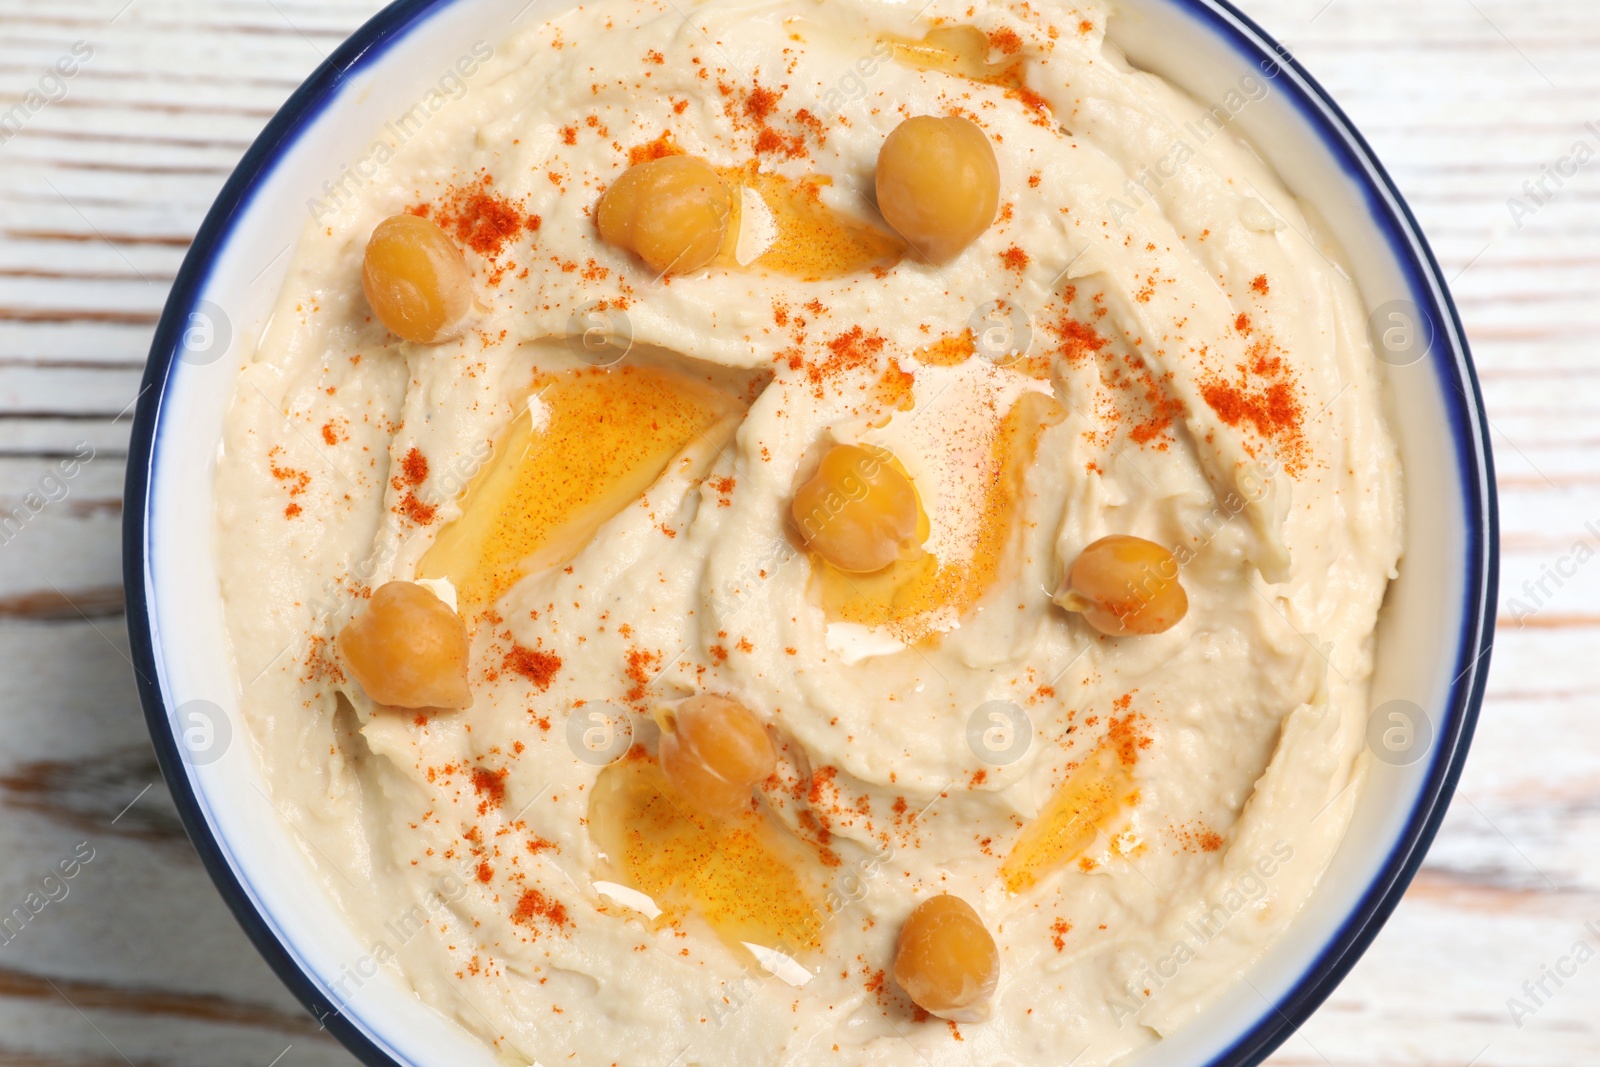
(1452, 362)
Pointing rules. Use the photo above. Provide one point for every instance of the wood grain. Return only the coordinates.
(100, 193)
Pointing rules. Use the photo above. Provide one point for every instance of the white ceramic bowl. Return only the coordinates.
(1433, 638)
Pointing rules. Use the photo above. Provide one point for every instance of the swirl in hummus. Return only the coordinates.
(590, 466)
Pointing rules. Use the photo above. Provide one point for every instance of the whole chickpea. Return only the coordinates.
(407, 649)
(938, 184)
(947, 961)
(1125, 585)
(671, 212)
(858, 512)
(713, 752)
(416, 281)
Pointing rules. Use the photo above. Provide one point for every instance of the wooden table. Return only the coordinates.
(100, 191)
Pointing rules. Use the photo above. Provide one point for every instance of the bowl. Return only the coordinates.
(1433, 638)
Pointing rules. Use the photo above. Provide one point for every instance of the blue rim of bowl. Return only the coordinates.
(1450, 356)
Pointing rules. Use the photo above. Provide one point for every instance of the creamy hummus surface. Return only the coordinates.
(1152, 338)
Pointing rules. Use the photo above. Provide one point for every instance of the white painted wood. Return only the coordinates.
(99, 194)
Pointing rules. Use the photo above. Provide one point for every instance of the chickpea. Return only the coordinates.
(1125, 585)
(858, 512)
(416, 280)
(672, 212)
(713, 752)
(408, 649)
(947, 962)
(938, 184)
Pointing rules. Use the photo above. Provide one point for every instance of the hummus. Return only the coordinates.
(1153, 338)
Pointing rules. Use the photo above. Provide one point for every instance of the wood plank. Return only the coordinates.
(51, 439)
(67, 392)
